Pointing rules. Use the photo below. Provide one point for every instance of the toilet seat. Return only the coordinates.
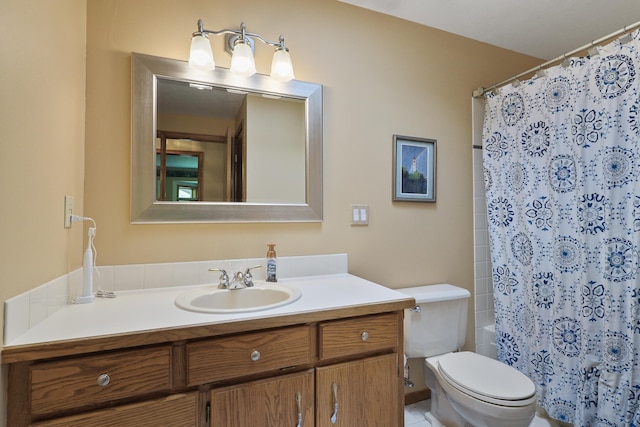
(486, 379)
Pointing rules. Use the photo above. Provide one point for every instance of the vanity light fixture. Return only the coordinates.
(240, 44)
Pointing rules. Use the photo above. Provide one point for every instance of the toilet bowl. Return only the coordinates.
(473, 390)
(467, 389)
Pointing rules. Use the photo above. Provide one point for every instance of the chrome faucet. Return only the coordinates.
(224, 278)
(247, 277)
(240, 280)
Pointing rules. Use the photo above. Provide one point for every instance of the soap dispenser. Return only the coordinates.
(271, 263)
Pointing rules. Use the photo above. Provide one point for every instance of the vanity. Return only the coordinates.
(333, 357)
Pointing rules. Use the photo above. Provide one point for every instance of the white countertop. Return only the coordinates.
(154, 309)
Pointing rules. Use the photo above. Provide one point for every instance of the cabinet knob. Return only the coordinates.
(365, 336)
(255, 355)
(104, 380)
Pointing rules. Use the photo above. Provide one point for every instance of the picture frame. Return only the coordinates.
(414, 169)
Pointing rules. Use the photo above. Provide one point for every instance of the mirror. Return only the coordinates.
(214, 147)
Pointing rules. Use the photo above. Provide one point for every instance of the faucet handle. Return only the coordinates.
(248, 270)
(248, 278)
(224, 277)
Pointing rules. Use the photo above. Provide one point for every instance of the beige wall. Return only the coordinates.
(42, 113)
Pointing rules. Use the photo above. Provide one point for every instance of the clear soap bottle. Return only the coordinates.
(271, 263)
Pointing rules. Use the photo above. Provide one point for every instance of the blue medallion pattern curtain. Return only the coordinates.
(562, 173)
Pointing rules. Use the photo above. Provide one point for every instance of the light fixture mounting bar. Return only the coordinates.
(240, 34)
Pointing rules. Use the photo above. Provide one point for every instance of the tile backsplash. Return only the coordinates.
(26, 310)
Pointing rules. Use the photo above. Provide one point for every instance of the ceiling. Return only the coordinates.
(543, 29)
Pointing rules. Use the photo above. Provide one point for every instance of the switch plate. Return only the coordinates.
(68, 211)
(359, 214)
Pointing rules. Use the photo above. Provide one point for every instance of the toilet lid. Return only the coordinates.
(483, 376)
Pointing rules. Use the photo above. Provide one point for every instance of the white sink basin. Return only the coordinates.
(260, 297)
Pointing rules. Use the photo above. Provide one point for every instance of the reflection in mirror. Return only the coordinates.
(178, 171)
(247, 158)
(213, 147)
(189, 159)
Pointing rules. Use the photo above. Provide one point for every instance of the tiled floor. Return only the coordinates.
(414, 414)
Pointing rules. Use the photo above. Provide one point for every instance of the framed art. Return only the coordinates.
(414, 169)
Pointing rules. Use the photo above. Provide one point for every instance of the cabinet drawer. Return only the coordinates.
(358, 335)
(240, 355)
(66, 384)
(176, 411)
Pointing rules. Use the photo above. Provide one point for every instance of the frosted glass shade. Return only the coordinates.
(201, 56)
(281, 67)
(242, 62)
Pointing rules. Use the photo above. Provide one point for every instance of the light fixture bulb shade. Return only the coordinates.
(242, 61)
(281, 67)
(201, 56)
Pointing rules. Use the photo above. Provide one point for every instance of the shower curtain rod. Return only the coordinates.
(481, 91)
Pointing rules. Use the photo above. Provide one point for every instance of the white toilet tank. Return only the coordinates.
(440, 325)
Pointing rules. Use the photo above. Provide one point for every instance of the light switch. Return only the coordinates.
(359, 214)
(68, 211)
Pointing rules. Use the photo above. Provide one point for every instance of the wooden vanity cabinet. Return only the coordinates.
(283, 375)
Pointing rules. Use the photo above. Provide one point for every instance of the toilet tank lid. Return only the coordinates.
(435, 293)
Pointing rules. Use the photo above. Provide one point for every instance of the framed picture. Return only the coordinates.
(414, 169)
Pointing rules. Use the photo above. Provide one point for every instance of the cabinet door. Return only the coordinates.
(362, 393)
(286, 401)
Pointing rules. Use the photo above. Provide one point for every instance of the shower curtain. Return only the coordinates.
(561, 155)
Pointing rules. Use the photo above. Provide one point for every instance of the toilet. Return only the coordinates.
(467, 389)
